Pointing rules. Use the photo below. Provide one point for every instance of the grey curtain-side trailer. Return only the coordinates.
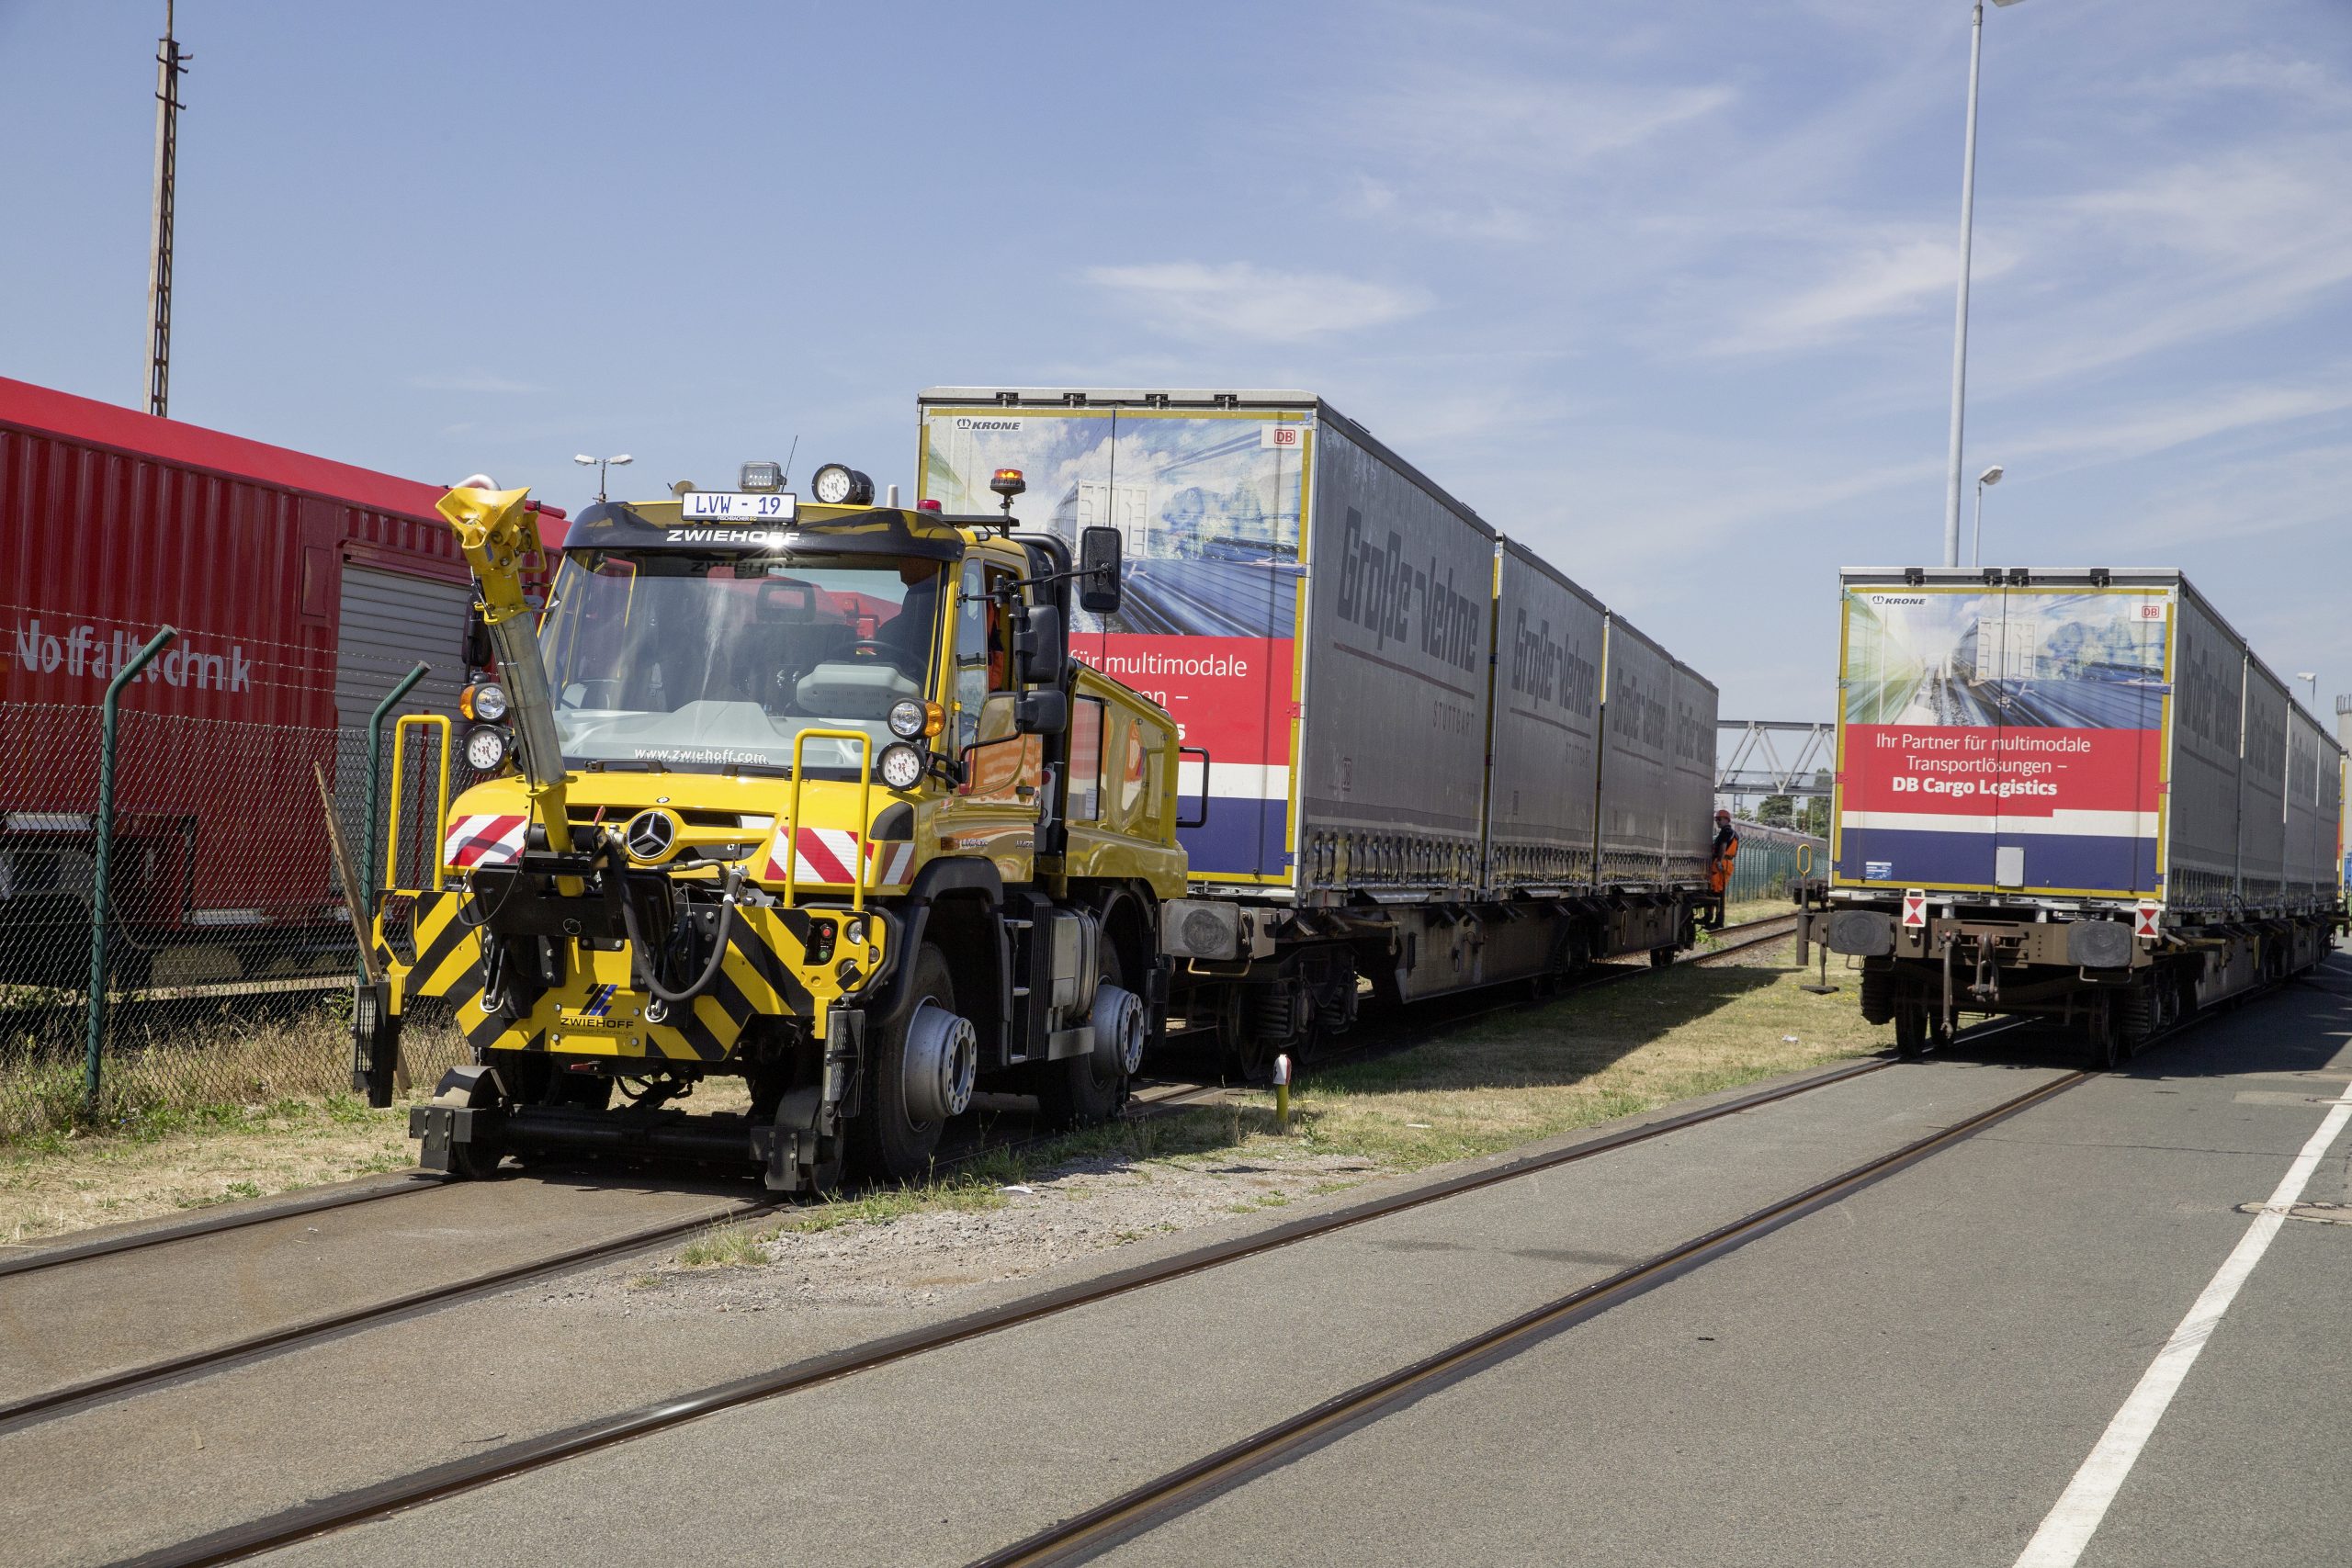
(1425, 759)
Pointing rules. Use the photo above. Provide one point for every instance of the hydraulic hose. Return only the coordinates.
(614, 866)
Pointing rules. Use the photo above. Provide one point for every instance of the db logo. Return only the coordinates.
(1289, 435)
(2149, 610)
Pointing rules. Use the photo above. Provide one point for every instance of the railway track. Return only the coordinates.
(1178, 1491)
(343, 1197)
(1156, 1099)
(335, 1513)
(167, 1372)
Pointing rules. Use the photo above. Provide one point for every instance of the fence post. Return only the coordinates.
(375, 775)
(105, 825)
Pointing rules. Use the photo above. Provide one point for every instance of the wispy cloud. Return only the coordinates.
(1240, 299)
(2221, 411)
(1889, 275)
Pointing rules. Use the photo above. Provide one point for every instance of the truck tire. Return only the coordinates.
(886, 1143)
(1076, 1091)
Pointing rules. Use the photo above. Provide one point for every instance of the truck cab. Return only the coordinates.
(829, 809)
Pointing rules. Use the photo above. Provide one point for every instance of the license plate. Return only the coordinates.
(735, 506)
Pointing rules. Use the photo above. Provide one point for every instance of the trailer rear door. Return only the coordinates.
(2000, 739)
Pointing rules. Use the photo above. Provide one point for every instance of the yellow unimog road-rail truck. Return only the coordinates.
(812, 796)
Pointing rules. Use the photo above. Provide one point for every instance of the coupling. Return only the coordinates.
(943, 1056)
(1118, 1030)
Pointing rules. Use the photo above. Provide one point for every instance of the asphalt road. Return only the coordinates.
(1914, 1376)
(952, 1454)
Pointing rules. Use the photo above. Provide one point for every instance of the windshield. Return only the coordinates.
(714, 663)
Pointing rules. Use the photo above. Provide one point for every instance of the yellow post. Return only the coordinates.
(1281, 1094)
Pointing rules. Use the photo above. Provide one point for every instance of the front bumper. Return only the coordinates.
(595, 1009)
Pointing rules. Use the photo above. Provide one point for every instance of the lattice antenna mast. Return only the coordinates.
(171, 64)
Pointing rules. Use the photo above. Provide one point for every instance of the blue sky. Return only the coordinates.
(1665, 289)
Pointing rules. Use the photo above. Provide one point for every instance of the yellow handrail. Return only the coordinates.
(865, 813)
(441, 811)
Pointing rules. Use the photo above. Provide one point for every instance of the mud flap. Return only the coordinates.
(375, 1041)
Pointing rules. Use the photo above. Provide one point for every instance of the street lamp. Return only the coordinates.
(1960, 327)
(1991, 476)
(600, 464)
(2311, 679)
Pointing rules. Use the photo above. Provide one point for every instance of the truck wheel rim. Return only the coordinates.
(1118, 1029)
(942, 1057)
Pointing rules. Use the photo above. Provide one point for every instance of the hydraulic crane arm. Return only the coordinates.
(495, 532)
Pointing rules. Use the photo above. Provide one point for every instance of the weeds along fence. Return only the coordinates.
(226, 950)
(1770, 859)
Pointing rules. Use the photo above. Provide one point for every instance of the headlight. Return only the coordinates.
(486, 747)
(902, 766)
(835, 485)
(486, 702)
(908, 719)
(853, 931)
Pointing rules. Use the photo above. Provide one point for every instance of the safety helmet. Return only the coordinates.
(1723, 816)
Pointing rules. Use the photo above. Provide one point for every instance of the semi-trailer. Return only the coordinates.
(2074, 794)
(302, 590)
(1419, 755)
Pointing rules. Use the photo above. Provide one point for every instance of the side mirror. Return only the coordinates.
(1101, 553)
(1041, 648)
(1042, 712)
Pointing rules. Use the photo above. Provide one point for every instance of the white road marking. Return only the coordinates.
(2070, 1525)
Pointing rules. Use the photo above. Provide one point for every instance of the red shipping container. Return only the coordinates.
(302, 590)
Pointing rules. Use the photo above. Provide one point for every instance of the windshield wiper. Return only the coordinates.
(764, 770)
(625, 765)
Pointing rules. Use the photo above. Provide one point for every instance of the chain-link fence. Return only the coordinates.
(227, 952)
(1771, 860)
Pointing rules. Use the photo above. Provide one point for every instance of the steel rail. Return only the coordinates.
(366, 1190)
(56, 1403)
(1179, 1491)
(327, 1515)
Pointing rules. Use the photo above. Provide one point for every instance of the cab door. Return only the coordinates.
(994, 811)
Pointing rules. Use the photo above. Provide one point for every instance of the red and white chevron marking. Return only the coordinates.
(826, 855)
(894, 865)
(485, 840)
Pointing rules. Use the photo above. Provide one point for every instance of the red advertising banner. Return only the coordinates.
(1228, 693)
(2016, 772)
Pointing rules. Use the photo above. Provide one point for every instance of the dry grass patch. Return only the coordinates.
(73, 1182)
(1585, 1059)
(203, 1110)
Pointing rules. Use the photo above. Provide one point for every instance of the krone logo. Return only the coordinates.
(651, 835)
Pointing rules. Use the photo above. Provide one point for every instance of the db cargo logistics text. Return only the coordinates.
(2003, 736)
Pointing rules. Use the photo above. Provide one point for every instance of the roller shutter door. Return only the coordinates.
(388, 622)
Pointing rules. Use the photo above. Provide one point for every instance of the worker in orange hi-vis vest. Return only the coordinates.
(1720, 857)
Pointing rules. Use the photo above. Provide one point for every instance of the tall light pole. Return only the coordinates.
(1991, 476)
(2311, 679)
(1960, 328)
(600, 465)
(171, 64)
